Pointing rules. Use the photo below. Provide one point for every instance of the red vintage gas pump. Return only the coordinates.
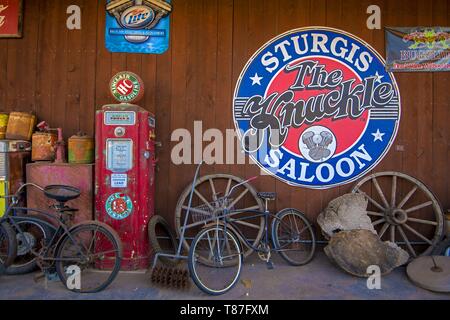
(124, 171)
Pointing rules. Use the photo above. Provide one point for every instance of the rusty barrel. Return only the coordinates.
(43, 146)
(20, 126)
(81, 149)
(3, 124)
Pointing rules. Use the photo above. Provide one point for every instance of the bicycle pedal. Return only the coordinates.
(269, 265)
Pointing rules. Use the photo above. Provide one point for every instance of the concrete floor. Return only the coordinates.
(318, 280)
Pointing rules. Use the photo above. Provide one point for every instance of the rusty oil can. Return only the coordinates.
(43, 146)
(81, 149)
(20, 126)
(3, 124)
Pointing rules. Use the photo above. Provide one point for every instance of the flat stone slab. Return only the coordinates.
(356, 250)
(431, 273)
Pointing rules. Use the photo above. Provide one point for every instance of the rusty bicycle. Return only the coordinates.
(90, 250)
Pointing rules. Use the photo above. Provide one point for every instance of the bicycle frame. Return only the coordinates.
(225, 218)
(61, 231)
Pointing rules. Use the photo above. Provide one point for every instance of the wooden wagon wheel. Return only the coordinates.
(406, 207)
(205, 206)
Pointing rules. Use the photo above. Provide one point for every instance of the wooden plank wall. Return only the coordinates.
(62, 75)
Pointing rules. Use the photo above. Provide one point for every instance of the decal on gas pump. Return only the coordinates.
(315, 107)
(119, 180)
(119, 206)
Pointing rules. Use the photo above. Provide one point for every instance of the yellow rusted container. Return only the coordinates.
(3, 124)
(43, 146)
(81, 149)
(20, 126)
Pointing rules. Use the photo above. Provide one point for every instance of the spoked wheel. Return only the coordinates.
(223, 250)
(293, 237)
(32, 236)
(8, 246)
(206, 205)
(403, 210)
(95, 254)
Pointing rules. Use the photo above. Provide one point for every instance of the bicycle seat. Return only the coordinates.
(267, 195)
(61, 193)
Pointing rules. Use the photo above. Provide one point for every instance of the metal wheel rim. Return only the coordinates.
(307, 228)
(396, 224)
(185, 195)
(82, 264)
(194, 269)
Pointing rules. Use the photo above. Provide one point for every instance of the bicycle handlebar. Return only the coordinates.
(15, 196)
(25, 185)
(240, 183)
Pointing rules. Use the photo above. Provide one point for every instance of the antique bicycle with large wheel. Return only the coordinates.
(216, 253)
(80, 249)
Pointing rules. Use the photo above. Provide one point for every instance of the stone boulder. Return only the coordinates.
(356, 250)
(346, 212)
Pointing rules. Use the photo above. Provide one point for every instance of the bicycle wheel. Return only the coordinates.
(162, 239)
(293, 236)
(95, 245)
(205, 207)
(31, 238)
(8, 246)
(222, 248)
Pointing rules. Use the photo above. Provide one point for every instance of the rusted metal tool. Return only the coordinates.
(169, 276)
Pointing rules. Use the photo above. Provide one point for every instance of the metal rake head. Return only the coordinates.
(173, 278)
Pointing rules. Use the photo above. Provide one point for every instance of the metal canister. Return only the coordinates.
(3, 124)
(43, 146)
(20, 126)
(81, 149)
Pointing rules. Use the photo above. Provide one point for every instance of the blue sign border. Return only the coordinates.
(389, 127)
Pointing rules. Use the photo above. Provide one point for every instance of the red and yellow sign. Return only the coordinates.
(11, 18)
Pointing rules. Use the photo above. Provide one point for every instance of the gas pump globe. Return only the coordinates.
(124, 171)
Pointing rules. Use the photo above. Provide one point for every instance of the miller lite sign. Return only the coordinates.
(315, 107)
(140, 26)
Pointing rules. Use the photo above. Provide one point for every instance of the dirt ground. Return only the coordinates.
(319, 280)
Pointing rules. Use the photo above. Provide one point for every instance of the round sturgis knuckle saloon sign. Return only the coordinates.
(315, 107)
(127, 87)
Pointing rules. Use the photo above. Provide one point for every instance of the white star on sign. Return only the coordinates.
(379, 77)
(256, 79)
(378, 135)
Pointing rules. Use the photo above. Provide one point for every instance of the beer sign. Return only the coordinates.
(137, 26)
(316, 108)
